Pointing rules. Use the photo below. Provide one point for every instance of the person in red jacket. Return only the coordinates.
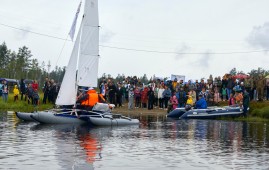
(35, 85)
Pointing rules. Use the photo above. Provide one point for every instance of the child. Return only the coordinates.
(217, 97)
(224, 93)
(16, 93)
(238, 98)
(35, 97)
(190, 100)
(231, 100)
(174, 102)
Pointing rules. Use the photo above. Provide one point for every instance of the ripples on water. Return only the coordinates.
(156, 143)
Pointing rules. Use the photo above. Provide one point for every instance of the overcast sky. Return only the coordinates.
(199, 29)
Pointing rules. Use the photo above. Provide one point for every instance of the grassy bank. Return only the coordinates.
(21, 105)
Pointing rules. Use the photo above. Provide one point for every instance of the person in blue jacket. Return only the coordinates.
(201, 103)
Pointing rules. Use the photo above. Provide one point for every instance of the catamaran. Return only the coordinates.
(82, 70)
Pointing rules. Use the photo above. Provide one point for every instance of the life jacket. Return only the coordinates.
(93, 98)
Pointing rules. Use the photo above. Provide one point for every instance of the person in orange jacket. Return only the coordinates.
(90, 98)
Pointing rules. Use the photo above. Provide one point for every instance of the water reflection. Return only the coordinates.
(157, 143)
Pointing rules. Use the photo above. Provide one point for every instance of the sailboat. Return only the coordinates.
(82, 71)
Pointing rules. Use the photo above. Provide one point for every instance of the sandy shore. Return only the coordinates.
(139, 111)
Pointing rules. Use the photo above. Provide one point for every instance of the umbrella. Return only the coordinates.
(240, 76)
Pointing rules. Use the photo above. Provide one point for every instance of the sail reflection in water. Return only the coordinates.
(156, 143)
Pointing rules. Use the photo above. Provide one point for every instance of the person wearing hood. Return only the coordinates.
(16, 93)
(201, 103)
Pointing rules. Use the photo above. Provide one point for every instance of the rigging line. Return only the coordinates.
(46, 35)
(169, 52)
(139, 50)
(61, 50)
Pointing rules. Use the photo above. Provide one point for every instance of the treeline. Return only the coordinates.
(144, 79)
(253, 72)
(20, 64)
(121, 77)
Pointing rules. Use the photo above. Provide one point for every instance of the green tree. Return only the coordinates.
(24, 61)
(233, 72)
(4, 59)
(12, 65)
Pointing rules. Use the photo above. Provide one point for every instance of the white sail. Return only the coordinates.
(89, 46)
(68, 90)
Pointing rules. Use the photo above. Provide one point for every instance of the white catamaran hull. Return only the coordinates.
(25, 116)
(51, 117)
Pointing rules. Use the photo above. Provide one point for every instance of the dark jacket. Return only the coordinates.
(22, 87)
(230, 84)
(181, 96)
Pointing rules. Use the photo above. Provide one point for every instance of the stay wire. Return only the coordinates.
(194, 53)
(66, 39)
(37, 33)
(133, 49)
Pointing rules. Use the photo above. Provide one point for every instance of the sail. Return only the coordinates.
(68, 91)
(89, 46)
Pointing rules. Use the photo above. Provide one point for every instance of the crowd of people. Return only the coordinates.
(157, 93)
(29, 91)
(169, 95)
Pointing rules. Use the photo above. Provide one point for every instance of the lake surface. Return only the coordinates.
(156, 143)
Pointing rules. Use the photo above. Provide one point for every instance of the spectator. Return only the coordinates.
(181, 97)
(131, 97)
(112, 92)
(35, 85)
(35, 97)
(52, 91)
(260, 87)
(144, 97)
(174, 102)
(230, 85)
(246, 100)
(231, 100)
(217, 97)
(16, 93)
(46, 89)
(160, 96)
(119, 94)
(5, 91)
(224, 93)
(22, 89)
(150, 95)
(166, 96)
(29, 93)
(137, 96)
(201, 103)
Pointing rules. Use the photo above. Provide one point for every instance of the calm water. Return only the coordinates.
(155, 144)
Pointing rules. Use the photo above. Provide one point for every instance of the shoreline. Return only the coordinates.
(259, 111)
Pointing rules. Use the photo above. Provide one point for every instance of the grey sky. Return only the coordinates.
(208, 26)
